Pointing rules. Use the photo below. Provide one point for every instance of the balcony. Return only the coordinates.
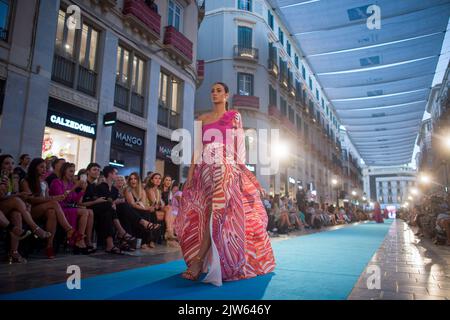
(272, 67)
(137, 104)
(201, 69)
(289, 125)
(168, 118)
(247, 54)
(275, 112)
(177, 44)
(87, 80)
(139, 15)
(3, 34)
(121, 97)
(63, 70)
(107, 4)
(250, 102)
(284, 80)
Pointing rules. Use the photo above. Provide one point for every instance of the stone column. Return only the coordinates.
(107, 76)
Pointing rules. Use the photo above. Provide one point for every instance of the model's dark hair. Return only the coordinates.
(225, 87)
(32, 176)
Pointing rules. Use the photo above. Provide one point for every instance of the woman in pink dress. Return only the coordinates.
(80, 218)
(221, 223)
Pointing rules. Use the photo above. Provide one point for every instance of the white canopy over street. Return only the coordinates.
(377, 80)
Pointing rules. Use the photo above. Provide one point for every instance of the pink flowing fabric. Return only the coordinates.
(229, 193)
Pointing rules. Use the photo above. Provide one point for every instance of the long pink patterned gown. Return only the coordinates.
(228, 191)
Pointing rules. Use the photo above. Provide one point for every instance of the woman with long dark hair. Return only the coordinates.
(221, 224)
(43, 204)
(13, 205)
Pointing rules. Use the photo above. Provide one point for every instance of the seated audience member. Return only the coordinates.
(136, 197)
(22, 168)
(129, 218)
(99, 200)
(167, 197)
(154, 196)
(56, 167)
(14, 227)
(108, 191)
(80, 218)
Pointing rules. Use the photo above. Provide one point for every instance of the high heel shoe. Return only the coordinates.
(15, 257)
(41, 234)
(189, 275)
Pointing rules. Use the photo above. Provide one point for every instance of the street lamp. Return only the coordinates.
(424, 178)
(334, 182)
(281, 151)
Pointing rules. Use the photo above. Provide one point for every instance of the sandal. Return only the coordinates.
(189, 275)
(124, 246)
(129, 239)
(152, 226)
(41, 234)
(114, 250)
(15, 257)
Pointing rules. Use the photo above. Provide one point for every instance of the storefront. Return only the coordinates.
(164, 164)
(69, 133)
(127, 148)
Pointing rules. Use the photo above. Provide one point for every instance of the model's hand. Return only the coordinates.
(60, 197)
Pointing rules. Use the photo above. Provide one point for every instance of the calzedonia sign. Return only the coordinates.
(67, 123)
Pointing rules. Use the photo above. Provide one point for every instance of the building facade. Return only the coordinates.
(434, 139)
(244, 44)
(390, 186)
(64, 65)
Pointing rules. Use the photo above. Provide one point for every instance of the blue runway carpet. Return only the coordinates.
(323, 265)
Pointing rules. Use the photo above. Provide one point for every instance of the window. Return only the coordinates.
(245, 37)
(272, 52)
(175, 15)
(317, 94)
(283, 106)
(270, 19)
(281, 36)
(291, 115)
(288, 48)
(245, 5)
(130, 71)
(310, 83)
(323, 104)
(5, 10)
(296, 61)
(303, 72)
(245, 84)
(299, 123)
(169, 106)
(272, 96)
(75, 61)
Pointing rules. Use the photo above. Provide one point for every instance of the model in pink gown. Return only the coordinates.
(240, 246)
